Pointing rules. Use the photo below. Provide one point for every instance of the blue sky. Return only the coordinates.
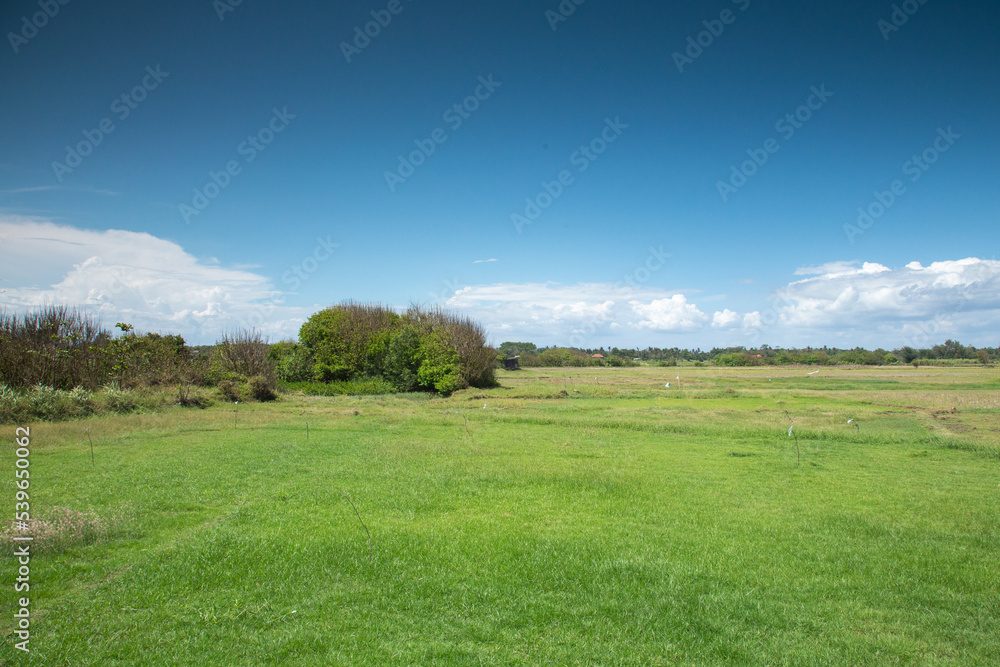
(697, 167)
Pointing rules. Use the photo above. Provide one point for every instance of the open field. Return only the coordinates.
(570, 516)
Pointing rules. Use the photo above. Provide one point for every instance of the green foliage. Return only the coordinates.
(292, 362)
(439, 369)
(348, 340)
(43, 403)
(555, 357)
(734, 359)
(422, 349)
(403, 359)
(259, 388)
(510, 349)
(234, 387)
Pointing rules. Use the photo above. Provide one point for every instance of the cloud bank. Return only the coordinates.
(156, 285)
(124, 276)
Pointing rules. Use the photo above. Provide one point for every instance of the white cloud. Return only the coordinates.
(725, 319)
(948, 298)
(484, 261)
(672, 314)
(752, 321)
(138, 278)
(575, 314)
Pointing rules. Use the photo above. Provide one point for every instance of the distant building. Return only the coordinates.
(511, 364)
(597, 356)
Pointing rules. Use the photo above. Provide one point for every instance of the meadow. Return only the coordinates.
(584, 516)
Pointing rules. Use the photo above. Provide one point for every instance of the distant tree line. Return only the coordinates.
(949, 351)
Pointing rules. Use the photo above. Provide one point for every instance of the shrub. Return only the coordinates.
(348, 340)
(120, 400)
(230, 389)
(734, 359)
(55, 345)
(244, 353)
(259, 389)
(43, 403)
(428, 349)
(292, 362)
(243, 368)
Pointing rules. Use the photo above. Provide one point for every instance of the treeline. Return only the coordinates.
(949, 351)
(59, 362)
(62, 348)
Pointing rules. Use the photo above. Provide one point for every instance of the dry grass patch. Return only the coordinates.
(61, 529)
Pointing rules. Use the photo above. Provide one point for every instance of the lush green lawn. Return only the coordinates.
(620, 522)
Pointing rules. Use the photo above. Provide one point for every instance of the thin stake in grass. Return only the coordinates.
(358, 514)
(307, 430)
(467, 421)
(798, 456)
(91, 447)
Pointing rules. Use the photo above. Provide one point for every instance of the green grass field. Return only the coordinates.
(568, 517)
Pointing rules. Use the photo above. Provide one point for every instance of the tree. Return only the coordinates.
(510, 349)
